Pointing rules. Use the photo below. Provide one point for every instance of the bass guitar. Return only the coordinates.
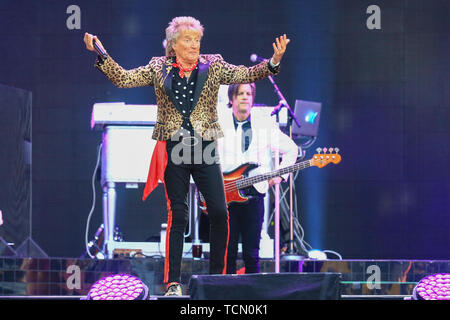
(236, 180)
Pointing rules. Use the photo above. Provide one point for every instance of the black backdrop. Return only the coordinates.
(385, 95)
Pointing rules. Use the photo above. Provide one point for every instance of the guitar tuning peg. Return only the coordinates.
(319, 150)
(325, 150)
(336, 150)
(331, 150)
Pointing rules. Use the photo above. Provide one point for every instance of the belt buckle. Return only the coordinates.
(193, 141)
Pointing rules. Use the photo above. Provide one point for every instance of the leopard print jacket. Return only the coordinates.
(213, 71)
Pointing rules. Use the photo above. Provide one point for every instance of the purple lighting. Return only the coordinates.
(433, 287)
(118, 287)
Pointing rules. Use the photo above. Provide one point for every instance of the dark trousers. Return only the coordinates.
(246, 221)
(209, 181)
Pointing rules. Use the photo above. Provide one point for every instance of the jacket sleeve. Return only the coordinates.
(122, 78)
(241, 74)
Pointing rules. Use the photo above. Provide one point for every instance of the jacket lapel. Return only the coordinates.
(203, 67)
(167, 71)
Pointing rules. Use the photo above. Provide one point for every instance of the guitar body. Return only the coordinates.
(230, 178)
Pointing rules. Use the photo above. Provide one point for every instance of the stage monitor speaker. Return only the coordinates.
(266, 286)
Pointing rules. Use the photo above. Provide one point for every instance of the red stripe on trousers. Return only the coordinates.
(224, 271)
(169, 227)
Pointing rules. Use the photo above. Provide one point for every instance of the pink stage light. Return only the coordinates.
(118, 287)
(433, 287)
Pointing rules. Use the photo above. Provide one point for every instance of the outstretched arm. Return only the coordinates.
(138, 77)
(242, 74)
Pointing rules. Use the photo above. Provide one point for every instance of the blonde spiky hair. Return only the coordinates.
(176, 26)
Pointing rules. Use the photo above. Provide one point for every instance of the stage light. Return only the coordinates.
(433, 287)
(317, 254)
(118, 287)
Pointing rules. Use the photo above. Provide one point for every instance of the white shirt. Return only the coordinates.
(267, 138)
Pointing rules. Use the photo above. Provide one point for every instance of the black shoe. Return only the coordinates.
(173, 289)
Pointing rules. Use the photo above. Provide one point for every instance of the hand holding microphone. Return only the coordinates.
(94, 44)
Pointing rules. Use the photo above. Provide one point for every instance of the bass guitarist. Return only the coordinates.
(250, 139)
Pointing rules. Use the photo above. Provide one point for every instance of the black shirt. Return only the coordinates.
(183, 90)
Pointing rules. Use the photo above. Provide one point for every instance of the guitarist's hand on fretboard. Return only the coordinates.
(274, 181)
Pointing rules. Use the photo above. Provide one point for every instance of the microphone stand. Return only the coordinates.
(286, 104)
(290, 257)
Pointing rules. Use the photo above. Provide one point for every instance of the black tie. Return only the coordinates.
(246, 134)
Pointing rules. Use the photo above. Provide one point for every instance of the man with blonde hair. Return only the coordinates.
(186, 85)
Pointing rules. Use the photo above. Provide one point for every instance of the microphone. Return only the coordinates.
(255, 58)
(277, 109)
(99, 50)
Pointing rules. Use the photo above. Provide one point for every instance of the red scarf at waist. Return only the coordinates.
(157, 167)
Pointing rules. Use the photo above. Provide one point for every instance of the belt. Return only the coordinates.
(190, 141)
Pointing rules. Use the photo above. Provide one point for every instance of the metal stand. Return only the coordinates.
(277, 223)
(109, 214)
(197, 248)
(291, 256)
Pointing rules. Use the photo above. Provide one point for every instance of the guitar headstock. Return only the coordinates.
(329, 155)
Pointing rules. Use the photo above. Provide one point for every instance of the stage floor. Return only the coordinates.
(71, 278)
